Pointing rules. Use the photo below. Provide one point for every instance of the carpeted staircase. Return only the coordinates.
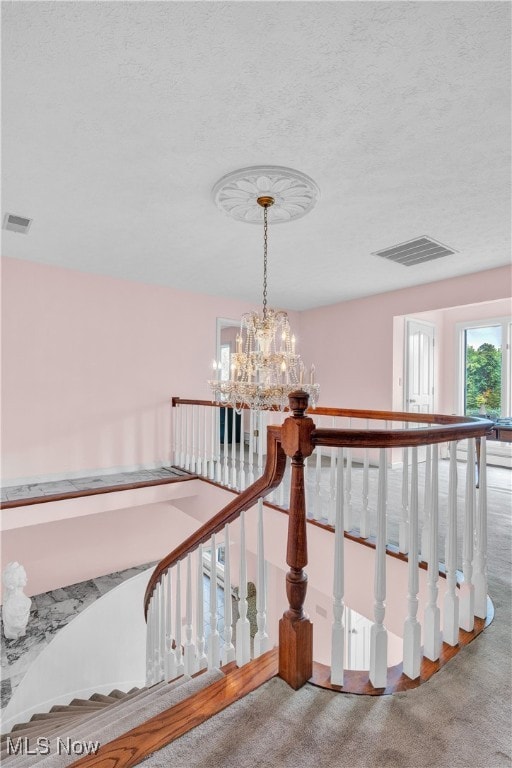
(60, 737)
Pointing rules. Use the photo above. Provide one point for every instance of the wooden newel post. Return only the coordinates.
(295, 628)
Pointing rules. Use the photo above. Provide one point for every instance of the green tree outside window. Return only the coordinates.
(483, 380)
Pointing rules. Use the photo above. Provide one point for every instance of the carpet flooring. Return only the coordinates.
(461, 718)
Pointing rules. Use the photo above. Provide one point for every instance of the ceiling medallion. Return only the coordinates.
(237, 193)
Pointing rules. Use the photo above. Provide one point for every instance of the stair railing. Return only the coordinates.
(171, 647)
(355, 458)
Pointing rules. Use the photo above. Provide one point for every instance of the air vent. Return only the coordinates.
(415, 252)
(17, 223)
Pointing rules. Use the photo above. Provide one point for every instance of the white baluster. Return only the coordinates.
(170, 656)
(403, 527)
(281, 499)
(157, 656)
(251, 447)
(200, 441)
(451, 598)
(241, 474)
(243, 635)
(261, 428)
(228, 651)
(155, 635)
(183, 435)
(204, 421)
(193, 459)
(317, 507)
(432, 633)
(218, 468)
(364, 529)
(349, 523)
(480, 575)
(213, 640)
(187, 438)
(161, 611)
(213, 443)
(307, 495)
(190, 650)
(226, 448)
(176, 412)
(331, 512)
(234, 478)
(467, 590)
(202, 660)
(178, 651)
(261, 639)
(412, 627)
(378, 634)
(149, 643)
(338, 628)
(426, 504)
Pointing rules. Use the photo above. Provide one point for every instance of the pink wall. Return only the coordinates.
(351, 343)
(90, 362)
(89, 365)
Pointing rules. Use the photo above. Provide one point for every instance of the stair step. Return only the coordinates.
(59, 724)
(40, 717)
(91, 706)
(69, 713)
(117, 694)
(41, 727)
(89, 703)
(32, 725)
(62, 715)
(114, 721)
(158, 732)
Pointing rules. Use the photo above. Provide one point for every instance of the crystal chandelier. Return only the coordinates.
(265, 368)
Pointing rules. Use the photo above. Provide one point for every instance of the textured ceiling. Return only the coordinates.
(118, 118)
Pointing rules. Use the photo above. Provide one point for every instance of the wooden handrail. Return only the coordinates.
(458, 429)
(358, 413)
(272, 476)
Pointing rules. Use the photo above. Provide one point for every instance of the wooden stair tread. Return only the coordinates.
(62, 715)
(41, 728)
(86, 706)
(102, 698)
(134, 746)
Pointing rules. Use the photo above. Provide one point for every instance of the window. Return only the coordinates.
(225, 357)
(485, 376)
(483, 363)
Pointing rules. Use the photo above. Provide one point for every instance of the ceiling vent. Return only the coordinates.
(415, 252)
(16, 223)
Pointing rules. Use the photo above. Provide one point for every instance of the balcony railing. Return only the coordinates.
(387, 480)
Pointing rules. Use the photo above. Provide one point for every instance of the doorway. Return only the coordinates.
(419, 367)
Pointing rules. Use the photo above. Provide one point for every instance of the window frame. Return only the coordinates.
(506, 331)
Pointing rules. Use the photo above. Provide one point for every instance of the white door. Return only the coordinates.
(419, 367)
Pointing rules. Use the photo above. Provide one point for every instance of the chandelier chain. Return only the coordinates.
(265, 249)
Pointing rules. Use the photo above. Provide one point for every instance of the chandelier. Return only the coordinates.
(265, 366)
